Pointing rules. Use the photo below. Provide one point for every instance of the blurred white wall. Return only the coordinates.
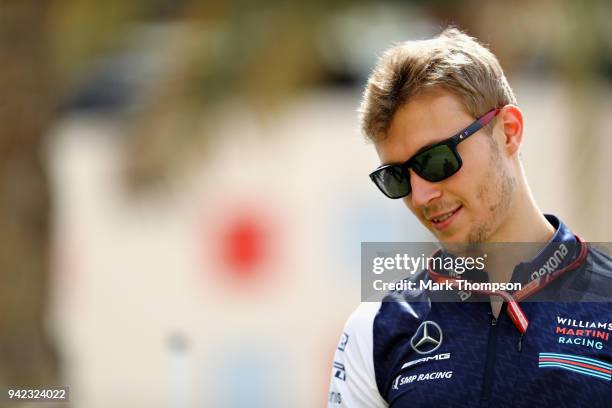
(150, 311)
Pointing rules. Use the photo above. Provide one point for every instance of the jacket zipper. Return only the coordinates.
(490, 363)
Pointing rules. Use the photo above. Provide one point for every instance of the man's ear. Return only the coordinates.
(510, 119)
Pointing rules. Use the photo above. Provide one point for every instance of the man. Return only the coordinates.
(447, 129)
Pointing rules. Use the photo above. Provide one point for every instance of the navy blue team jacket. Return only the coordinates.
(416, 353)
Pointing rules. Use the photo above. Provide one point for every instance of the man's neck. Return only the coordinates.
(525, 224)
(501, 262)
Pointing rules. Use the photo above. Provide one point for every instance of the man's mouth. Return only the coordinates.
(443, 220)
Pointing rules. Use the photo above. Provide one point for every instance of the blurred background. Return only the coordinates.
(184, 190)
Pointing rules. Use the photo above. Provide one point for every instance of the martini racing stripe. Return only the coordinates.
(554, 360)
(582, 365)
(573, 357)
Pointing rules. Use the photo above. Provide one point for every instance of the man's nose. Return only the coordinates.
(423, 191)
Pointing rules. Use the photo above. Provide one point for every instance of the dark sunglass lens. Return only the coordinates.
(437, 163)
(392, 181)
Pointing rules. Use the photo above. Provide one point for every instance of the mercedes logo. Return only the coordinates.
(427, 338)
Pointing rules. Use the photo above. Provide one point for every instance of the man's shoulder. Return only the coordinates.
(371, 318)
(593, 282)
(599, 260)
(361, 320)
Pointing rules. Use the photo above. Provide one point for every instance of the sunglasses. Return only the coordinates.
(434, 163)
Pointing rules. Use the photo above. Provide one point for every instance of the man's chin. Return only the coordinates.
(458, 239)
(453, 240)
(451, 236)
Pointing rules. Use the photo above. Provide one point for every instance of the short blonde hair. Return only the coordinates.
(453, 61)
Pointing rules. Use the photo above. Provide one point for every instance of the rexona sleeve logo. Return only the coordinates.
(551, 263)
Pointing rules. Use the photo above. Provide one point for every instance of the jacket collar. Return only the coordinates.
(557, 253)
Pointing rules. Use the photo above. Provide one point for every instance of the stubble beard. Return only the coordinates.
(498, 208)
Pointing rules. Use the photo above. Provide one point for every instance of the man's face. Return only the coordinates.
(473, 204)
